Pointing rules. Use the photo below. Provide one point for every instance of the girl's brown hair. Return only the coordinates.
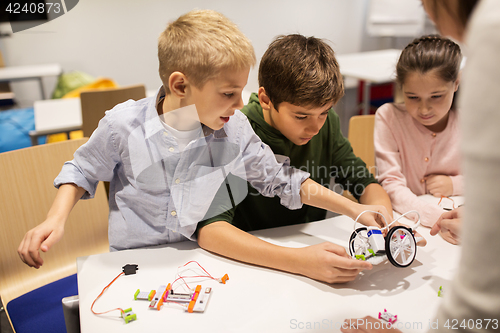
(430, 53)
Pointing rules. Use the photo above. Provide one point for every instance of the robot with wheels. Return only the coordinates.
(399, 246)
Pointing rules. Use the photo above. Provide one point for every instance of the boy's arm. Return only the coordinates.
(313, 194)
(46, 234)
(375, 195)
(325, 262)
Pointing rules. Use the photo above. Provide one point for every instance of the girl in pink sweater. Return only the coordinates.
(417, 143)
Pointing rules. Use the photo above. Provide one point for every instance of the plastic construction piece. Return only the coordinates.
(224, 279)
(399, 246)
(129, 269)
(388, 317)
(128, 315)
(360, 257)
(156, 298)
(195, 301)
(163, 297)
(200, 300)
(144, 295)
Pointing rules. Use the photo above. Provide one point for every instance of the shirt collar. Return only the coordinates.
(218, 134)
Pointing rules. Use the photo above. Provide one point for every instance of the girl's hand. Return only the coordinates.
(439, 185)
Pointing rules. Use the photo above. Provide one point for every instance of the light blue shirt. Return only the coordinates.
(157, 194)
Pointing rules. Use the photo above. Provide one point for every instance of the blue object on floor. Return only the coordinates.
(15, 126)
(41, 310)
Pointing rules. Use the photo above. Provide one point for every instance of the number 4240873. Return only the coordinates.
(33, 7)
(471, 324)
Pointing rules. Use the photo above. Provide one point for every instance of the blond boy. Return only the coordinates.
(166, 156)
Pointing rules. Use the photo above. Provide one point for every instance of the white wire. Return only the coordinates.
(368, 211)
(387, 226)
(408, 212)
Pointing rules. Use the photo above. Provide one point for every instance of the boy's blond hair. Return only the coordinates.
(201, 44)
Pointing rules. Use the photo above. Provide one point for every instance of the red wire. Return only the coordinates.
(443, 196)
(193, 261)
(102, 292)
(198, 276)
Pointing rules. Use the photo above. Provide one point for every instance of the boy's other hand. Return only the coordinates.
(42, 237)
(449, 225)
(439, 185)
(330, 263)
(370, 219)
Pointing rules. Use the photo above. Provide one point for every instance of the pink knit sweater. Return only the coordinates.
(406, 152)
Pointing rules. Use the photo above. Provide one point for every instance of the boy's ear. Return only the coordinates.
(177, 83)
(264, 100)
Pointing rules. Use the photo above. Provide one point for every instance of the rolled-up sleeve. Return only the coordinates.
(268, 175)
(92, 162)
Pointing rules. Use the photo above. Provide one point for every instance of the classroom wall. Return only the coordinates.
(118, 38)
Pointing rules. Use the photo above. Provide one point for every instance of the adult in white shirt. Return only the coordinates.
(474, 297)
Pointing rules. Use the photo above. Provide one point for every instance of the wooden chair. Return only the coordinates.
(26, 194)
(95, 103)
(361, 138)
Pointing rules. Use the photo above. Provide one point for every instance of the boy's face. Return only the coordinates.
(217, 100)
(297, 123)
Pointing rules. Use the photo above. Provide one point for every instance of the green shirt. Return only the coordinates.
(327, 155)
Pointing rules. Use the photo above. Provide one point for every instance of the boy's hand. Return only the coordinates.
(367, 325)
(330, 263)
(42, 237)
(370, 219)
(449, 225)
(439, 185)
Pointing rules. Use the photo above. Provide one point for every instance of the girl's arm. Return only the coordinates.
(388, 161)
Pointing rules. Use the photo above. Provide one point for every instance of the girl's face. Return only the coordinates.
(428, 99)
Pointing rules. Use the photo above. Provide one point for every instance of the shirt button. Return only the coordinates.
(426, 159)
(171, 149)
(173, 213)
(165, 133)
(422, 180)
(433, 135)
(177, 181)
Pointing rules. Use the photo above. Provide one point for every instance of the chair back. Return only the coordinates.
(26, 194)
(361, 137)
(95, 103)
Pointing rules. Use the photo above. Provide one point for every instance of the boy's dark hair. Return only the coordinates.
(302, 71)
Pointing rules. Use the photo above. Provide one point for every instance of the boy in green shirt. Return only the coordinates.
(299, 83)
